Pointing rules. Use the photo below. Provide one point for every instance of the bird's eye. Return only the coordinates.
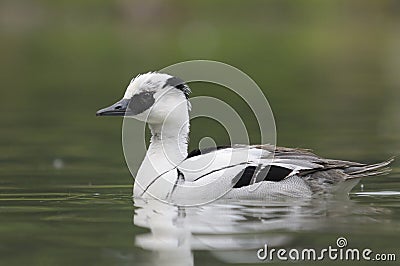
(141, 102)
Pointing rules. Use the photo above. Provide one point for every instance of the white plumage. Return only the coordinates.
(169, 173)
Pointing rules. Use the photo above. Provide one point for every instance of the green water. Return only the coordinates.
(95, 224)
(329, 71)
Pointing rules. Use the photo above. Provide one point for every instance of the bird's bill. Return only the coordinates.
(117, 109)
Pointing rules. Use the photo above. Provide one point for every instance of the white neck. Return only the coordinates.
(168, 148)
(169, 140)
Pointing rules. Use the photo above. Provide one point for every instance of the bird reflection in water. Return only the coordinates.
(234, 231)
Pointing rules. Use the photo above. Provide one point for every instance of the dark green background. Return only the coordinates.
(330, 70)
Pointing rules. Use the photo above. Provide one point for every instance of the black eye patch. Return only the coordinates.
(140, 102)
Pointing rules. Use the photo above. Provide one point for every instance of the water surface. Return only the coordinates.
(100, 224)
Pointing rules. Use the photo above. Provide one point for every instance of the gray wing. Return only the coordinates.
(321, 173)
(274, 164)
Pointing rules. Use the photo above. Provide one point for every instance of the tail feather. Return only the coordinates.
(383, 171)
(369, 170)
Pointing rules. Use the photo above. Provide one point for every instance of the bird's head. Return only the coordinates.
(151, 97)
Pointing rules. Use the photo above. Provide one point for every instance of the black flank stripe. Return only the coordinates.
(216, 170)
(179, 178)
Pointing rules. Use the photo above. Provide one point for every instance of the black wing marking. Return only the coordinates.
(274, 174)
(277, 173)
(244, 177)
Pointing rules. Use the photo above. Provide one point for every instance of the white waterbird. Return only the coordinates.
(168, 172)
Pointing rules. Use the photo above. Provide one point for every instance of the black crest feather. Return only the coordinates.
(179, 84)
